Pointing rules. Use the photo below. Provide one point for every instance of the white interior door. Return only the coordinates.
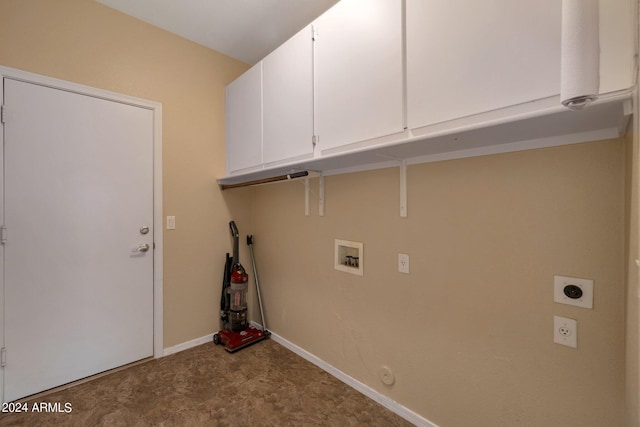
(78, 176)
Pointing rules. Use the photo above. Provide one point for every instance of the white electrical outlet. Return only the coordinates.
(573, 291)
(565, 331)
(403, 263)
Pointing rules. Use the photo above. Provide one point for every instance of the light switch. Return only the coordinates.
(171, 223)
(403, 263)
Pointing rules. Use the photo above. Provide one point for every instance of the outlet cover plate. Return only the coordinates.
(171, 222)
(565, 331)
(586, 285)
(403, 263)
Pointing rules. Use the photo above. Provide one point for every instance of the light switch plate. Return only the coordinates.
(585, 286)
(403, 263)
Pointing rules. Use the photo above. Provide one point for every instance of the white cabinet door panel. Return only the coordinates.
(287, 84)
(467, 57)
(244, 120)
(359, 72)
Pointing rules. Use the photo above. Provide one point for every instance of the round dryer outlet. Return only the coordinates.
(386, 375)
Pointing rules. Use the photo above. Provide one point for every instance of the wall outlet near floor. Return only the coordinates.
(403, 263)
(565, 331)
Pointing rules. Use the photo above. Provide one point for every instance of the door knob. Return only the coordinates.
(141, 248)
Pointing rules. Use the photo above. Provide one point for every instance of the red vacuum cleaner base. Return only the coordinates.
(234, 341)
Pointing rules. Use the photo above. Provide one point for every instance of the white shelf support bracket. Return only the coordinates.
(321, 195)
(403, 189)
(306, 196)
(307, 192)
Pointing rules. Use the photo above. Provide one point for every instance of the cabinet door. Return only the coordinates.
(358, 72)
(244, 120)
(287, 85)
(467, 56)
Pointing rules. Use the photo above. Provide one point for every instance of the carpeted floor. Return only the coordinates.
(262, 385)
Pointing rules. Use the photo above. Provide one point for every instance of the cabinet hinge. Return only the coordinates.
(315, 139)
(314, 33)
(2, 114)
(3, 234)
(3, 357)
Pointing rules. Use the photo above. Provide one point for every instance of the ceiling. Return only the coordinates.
(244, 29)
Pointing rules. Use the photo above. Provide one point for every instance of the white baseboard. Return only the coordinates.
(186, 345)
(383, 400)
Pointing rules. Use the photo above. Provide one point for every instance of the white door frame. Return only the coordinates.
(156, 108)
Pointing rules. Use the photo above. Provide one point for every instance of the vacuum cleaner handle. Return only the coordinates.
(236, 236)
(255, 279)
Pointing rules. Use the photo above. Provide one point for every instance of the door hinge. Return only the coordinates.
(3, 234)
(315, 139)
(2, 114)
(3, 357)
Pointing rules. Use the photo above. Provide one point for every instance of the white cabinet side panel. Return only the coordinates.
(616, 45)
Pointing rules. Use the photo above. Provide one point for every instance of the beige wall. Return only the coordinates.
(632, 344)
(469, 333)
(85, 42)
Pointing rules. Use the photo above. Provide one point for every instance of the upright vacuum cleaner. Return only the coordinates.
(236, 333)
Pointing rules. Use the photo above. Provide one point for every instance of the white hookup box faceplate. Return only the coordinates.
(573, 291)
(349, 257)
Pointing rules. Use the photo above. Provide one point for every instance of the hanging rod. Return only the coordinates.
(287, 177)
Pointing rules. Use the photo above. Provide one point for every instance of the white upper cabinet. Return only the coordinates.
(467, 56)
(287, 85)
(244, 120)
(422, 79)
(358, 72)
